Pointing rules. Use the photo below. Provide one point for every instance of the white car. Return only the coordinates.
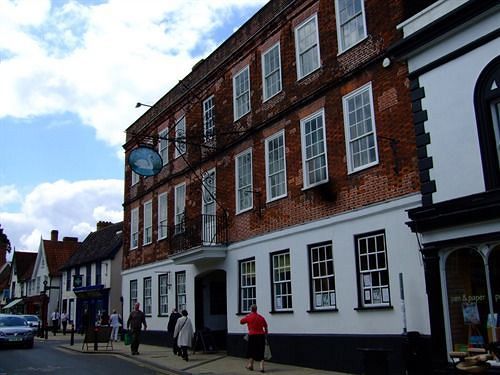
(33, 321)
(14, 331)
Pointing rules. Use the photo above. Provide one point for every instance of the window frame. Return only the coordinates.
(134, 228)
(265, 75)
(180, 132)
(147, 235)
(268, 140)
(208, 106)
(349, 152)
(275, 283)
(324, 154)
(162, 216)
(242, 296)
(298, 54)
(133, 299)
(179, 216)
(236, 97)
(360, 274)
(163, 297)
(135, 178)
(147, 295)
(313, 276)
(163, 145)
(246, 188)
(180, 294)
(340, 37)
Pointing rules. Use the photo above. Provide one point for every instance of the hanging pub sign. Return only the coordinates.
(145, 161)
(77, 281)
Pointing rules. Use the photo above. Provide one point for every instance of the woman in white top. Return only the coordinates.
(184, 334)
(115, 321)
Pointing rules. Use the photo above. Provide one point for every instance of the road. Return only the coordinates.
(48, 358)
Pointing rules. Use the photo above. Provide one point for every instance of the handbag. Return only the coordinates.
(267, 351)
(127, 338)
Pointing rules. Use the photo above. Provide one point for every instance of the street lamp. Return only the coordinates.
(142, 104)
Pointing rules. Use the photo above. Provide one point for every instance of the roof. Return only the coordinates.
(5, 276)
(24, 262)
(99, 245)
(57, 253)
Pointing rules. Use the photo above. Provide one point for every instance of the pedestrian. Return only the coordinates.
(174, 316)
(183, 333)
(85, 322)
(64, 321)
(116, 320)
(135, 321)
(257, 331)
(55, 321)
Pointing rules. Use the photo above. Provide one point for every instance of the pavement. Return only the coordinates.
(162, 360)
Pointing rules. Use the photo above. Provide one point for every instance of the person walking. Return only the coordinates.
(135, 321)
(115, 320)
(257, 331)
(172, 321)
(183, 333)
(64, 321)
(55, 321)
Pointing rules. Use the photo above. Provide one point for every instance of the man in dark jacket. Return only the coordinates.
(171, 327)
(135, 322)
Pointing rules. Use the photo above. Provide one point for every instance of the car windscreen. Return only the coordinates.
(12, 321)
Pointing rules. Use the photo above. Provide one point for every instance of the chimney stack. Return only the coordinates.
(54, 234)
(103, 224)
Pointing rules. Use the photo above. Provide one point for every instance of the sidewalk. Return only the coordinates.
(164, 361)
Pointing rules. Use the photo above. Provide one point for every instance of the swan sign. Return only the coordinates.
(145, 161)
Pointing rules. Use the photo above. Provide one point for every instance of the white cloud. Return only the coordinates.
(9, 194)
(97, 61)
(73, 208)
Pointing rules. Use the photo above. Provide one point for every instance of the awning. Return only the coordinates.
(12, 304)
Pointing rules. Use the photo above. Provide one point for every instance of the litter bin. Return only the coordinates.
(375, 361)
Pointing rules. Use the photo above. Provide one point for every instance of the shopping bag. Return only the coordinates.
(127, 338)
(267, 351)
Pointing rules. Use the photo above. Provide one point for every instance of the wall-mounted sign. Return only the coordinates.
(77, 281)
(145, 161)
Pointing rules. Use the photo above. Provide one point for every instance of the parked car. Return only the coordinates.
(14, 331)
(33, 321)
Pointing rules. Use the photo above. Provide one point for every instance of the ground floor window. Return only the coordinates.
(472, 277)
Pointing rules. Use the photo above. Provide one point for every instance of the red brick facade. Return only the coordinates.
(395, 175)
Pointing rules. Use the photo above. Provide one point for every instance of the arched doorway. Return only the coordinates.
(211, 306)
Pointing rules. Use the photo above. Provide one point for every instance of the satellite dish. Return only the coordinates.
(145, 161)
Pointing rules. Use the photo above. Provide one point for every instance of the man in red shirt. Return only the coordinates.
(257, 331)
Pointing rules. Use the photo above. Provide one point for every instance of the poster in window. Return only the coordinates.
(278, 303)
(326, 299)
(377, 297)
(385, 295)
(368, 296)
(367, 280)
(471, 313)
(318, 300)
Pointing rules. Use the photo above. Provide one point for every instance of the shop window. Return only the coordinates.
(493, 324)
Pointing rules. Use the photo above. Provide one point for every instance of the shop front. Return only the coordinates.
(91, 303)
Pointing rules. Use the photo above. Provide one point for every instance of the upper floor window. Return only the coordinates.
(98, 272)
(271, 72)
(360, 129)
(134, 228)
(314, 159)
(307, 47)
(241, 93)
(146, 295)
(88, 275)
(209, 207)
(180, 206)
(180, 290)
(133, 294)
(162, 216)
(180, 137)
(68, 280)
(373, 272)
(163, 146)
(281, 277)
(135, 178)
(163, 294)
(148, 223)
(275, 166)
(248, 285)
(244, 185)
(322, 276)
(351, 27)
(487, 106)
(209, 118)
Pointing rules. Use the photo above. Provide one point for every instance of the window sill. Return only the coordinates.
(351, 47)
(309, 187)
(242, 313)
(308, 74)
(281, 312)
(364, 167)
(369, 308)
(323, 310)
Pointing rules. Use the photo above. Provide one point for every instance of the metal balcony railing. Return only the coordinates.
(204, 230)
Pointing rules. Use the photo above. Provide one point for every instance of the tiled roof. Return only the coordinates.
(25, 261)
(57, 253)
(99, 245)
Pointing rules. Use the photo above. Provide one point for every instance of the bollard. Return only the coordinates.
(72, 340)
(46, 333)
(95, 339)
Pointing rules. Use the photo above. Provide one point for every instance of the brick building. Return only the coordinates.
(288, 163)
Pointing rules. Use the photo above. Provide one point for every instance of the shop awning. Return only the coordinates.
(12, 304)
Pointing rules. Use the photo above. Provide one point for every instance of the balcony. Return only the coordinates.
(199, 239)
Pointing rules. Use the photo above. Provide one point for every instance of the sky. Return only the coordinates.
(71, 72)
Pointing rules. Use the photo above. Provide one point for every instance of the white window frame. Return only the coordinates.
(163, 284)
(147, 295)
(243, 191)
(209, 206)
(248, 284)
(180, 133)
(280, 134)
(163, 146)
(134, 228)
(180, 290)
(209, 118)
(134, 286)
(180, 207)
(322, 276)
(349, 149)
(282, 285)
(135, 178)
(342, 43)
(299, 53)
(241, 98)
(162, 216)
(148, 223)
(267, 76)
(307, 159)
